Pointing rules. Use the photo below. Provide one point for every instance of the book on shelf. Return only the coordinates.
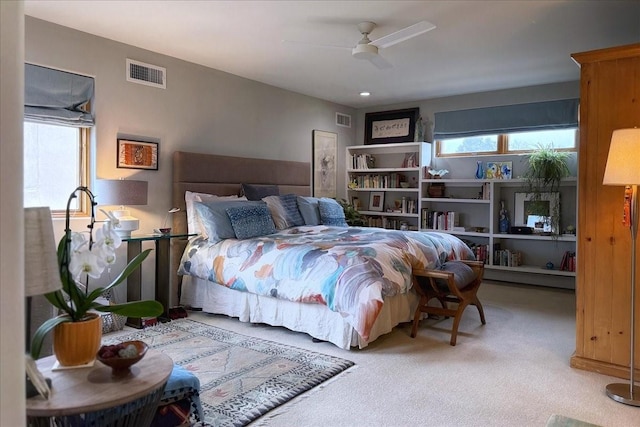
(362, 161)
(507, 258)
(486, 191)
(442, 220)
(480, 251)
(568, 261)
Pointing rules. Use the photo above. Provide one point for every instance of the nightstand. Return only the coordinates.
(163, 271)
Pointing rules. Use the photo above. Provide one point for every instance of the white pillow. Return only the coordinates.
(193, 220)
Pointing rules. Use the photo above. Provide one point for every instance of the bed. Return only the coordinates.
(345, 285)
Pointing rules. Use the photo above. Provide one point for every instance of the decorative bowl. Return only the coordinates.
(165, 230)
(109, 355)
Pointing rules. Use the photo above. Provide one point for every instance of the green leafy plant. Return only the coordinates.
(351, 215)
(80, 258)
(547, 168)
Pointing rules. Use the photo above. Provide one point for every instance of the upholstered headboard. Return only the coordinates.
(223, 176)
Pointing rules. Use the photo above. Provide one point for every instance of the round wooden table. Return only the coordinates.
(96, 397)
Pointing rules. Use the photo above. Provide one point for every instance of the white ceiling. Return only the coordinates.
(477, 45)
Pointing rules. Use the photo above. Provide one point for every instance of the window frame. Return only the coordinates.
(84, 135)
(503, 148)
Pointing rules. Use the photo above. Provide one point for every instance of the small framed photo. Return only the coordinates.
(376, 201)
(137, 154)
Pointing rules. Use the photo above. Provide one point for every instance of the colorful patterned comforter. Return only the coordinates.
(350, 270)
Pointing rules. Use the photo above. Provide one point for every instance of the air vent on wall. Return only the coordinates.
(343, 120)
(146, 74)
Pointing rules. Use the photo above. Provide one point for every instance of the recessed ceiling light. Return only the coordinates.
(365, 93)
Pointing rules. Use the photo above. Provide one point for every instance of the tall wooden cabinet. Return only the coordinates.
(609, 100)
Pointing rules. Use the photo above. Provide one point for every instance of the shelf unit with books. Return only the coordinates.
(477, 203)
(383, 182)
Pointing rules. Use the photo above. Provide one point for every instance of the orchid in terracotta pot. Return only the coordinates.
(80, 257)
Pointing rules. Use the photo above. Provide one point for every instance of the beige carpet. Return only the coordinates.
(514, 371)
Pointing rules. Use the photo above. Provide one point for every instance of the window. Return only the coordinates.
(57, 113)
(511, 143)
(507, 129)
(55, 160)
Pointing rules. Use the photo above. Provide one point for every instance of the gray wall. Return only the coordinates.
(202, 110)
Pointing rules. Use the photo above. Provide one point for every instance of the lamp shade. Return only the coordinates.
(120, 192)
(41, 271)
(623, 162)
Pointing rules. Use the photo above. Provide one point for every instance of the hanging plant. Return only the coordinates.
(547, 168)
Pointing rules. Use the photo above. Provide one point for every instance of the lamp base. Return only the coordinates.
(622, 393)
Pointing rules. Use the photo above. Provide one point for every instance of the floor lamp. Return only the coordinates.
(622, 169)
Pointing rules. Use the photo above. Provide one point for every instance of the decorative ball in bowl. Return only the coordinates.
(120, 357)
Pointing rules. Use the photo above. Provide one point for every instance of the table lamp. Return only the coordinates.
(122, 192)
(41, 270)
(622, 169)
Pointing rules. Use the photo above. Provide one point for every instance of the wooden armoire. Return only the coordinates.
(609, 100)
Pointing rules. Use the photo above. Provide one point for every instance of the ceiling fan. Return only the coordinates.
(369, 50)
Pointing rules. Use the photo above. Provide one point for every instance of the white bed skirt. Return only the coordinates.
(313, 319)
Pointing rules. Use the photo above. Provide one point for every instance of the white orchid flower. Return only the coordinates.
(109, 237)
(78, 240)
(85, 263)
(105, 253)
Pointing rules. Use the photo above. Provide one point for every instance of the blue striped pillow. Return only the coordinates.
(331, 213)
(284, 210)
(251, 221)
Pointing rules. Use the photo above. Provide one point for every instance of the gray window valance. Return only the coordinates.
(57, 97)
(546, 115)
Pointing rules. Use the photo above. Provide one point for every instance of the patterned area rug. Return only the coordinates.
(241, 377)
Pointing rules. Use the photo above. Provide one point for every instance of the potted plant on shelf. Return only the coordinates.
(351, 214)
(547, 168)
(78, 329)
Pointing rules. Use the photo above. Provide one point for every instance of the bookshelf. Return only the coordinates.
(477, 204)
(383, 182)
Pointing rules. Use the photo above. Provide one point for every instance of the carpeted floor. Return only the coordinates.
(241, 377)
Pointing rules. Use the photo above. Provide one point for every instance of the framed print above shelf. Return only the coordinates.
(387, 127)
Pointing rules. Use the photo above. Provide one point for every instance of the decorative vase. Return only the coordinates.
(76, 343)
(479, 170)
(504, 223)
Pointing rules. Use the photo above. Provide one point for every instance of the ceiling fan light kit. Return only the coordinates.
(369, 50)
(364, 51)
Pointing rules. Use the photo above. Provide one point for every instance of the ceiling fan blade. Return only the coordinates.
(329, 46)
(380, 62)
(404, 34)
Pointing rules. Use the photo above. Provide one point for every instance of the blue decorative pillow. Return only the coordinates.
(309, 210)
(258, 192)
(284, 210)
(462, 274)
(214, 218)
(251, 221)
(331, 213)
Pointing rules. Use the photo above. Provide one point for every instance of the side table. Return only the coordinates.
(97, 398)
(163, 271)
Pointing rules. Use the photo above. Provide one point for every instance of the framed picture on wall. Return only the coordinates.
(325, 146)
(376, 201)
(386, 127)
(137, 154)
